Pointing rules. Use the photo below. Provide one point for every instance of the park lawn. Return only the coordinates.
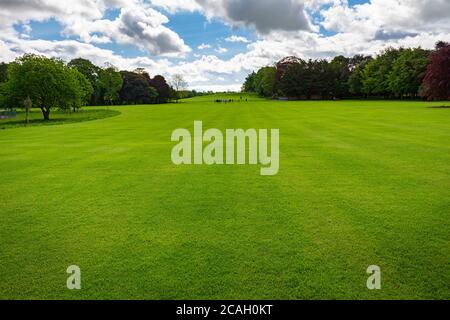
(361, 183)
(57, 117)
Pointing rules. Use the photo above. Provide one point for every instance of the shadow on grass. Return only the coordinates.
(57, 118)
(439, 107)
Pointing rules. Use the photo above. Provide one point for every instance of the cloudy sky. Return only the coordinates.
(215, 43)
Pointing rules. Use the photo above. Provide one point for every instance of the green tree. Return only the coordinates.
(320, 79)
(47, 82)
(110, 81)
(3, 72)
(294, 81)
(249, 84)
(311, 79)
(355, 80)
(376, 73)
(160, 84)
(265, 81)
(3, 79)
(91, 72)
(81, 89)
(408, 72)
(135, 89)
(340, 73)
(153, 94)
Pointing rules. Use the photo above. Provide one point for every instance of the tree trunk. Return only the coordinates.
(46, 113)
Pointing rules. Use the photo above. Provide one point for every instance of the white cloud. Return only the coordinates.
(6, 53)
(70, 49)
(388, 16)
(221, 50)
(138, 23)
(237, 39)
(218, 87)
(263, 15)
(174, 6)
(204, 46)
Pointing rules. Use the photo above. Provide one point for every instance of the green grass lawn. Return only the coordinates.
(57, 117)
(360, 183)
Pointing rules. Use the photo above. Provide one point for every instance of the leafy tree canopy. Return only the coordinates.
(135, 89)
(376, 73)
(436, 84)
(408, 72)
(110, 81)
(47, 82)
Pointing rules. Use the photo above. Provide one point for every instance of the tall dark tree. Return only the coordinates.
(3, 72)
(294, 82)
(160, 84)
(135, 89)
(436, 84)
(249, 84)
(314, 79)
(355, 80)
(340, 69)
(321, 80)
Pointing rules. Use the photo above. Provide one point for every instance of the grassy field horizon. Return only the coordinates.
(360, 183)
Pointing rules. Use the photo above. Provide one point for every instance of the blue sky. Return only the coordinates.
(215, 44)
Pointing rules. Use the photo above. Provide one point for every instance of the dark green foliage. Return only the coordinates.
(355, 80)
(376, 73)
(321, 80)
(314, 79)
(249, 84)
(82, 91)
(91, 72)
(408, 72)
(47, 82)
(3, 72)
(295, 81)
(340, 72)
(264, 81)
(153, 94)
(110, 82)
(87, 68)
(160, 84)
(136, 90)
(394, 73)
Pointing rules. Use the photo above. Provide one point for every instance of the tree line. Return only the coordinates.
(393, 74)
(51, 83)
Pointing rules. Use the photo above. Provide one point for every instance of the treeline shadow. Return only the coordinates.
(57, 118)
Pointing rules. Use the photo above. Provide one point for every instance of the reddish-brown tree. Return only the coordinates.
(159, 82)
(436, 84)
